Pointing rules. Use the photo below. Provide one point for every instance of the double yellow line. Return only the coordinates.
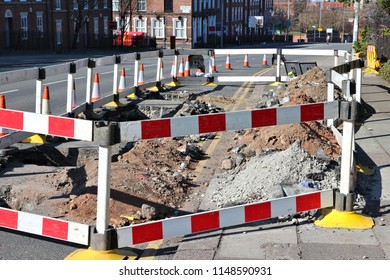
(152, 247)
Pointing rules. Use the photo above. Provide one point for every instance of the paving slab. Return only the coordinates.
(203, 241)
(311, 233)
(340, 251)
(255, 244)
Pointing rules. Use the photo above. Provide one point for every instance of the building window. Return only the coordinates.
(105, 28)
(168, 6)
(105, 4)
(23, 26)
(141, 5)
(40, 23)
(140, 25)
(158, 28)
(75, 5)
(96, 5)
(59, 31)
(58, 4)
(180, 28)
(96, 27)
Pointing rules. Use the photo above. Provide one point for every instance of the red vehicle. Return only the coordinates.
(129, 39)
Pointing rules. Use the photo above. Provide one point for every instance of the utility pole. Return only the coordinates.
(355, 24)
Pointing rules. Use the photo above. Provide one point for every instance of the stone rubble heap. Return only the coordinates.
(273, 175)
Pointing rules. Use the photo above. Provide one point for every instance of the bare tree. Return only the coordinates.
(125, 9)
(80, 16)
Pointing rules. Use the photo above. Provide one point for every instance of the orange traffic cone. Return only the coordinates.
(122, 81)
(181, 68)
(96, 88)
(46, 101)
(3, 131)
(187, 67)
(264, 60)
(246, 63)
(227, 65)
(173, 68)
(141, 80)
(213, 66)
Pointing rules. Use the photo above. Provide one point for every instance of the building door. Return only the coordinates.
(8, 29)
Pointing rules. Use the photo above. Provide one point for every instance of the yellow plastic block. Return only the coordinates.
(89, 254)
(344, 219)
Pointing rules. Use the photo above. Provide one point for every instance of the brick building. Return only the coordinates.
(166, 21)
(50, 24)
(196, 23)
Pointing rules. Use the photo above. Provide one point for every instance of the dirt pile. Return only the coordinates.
(154, 173)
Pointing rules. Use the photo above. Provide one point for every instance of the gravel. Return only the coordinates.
(273, 175)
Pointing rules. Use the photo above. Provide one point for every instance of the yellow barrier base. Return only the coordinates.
(114, 104)
(153, 89)
(211, 84)
(132, 96)
(347, 220)
(173, 84)
(36, 139)
(89, 254)
(275, 84)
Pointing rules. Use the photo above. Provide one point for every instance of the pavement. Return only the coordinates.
(304, 240)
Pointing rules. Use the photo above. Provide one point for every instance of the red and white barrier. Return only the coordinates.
(47, 124)
(44, 226)
(180, 126)
(213, 220)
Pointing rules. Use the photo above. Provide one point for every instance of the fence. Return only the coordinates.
(107, 134)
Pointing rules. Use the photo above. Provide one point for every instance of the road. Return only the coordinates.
(21, 96)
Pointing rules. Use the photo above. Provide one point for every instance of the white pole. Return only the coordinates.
(103, 193)
(278, 67)
(346, 158)
(330, 97)
(88, 96)
(115, 79)
(358, 84)
(136, 69)
(158, 73)
(210, 66)
(38, 96)
(175, 66)
(69, 94)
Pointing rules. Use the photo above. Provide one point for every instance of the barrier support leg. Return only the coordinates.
(278, 64)
(175, 82)
(115, 103)
(343, 215)
(103, 239)
(157, 87)
(210, 78)
(137, 92)
(38, 138)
